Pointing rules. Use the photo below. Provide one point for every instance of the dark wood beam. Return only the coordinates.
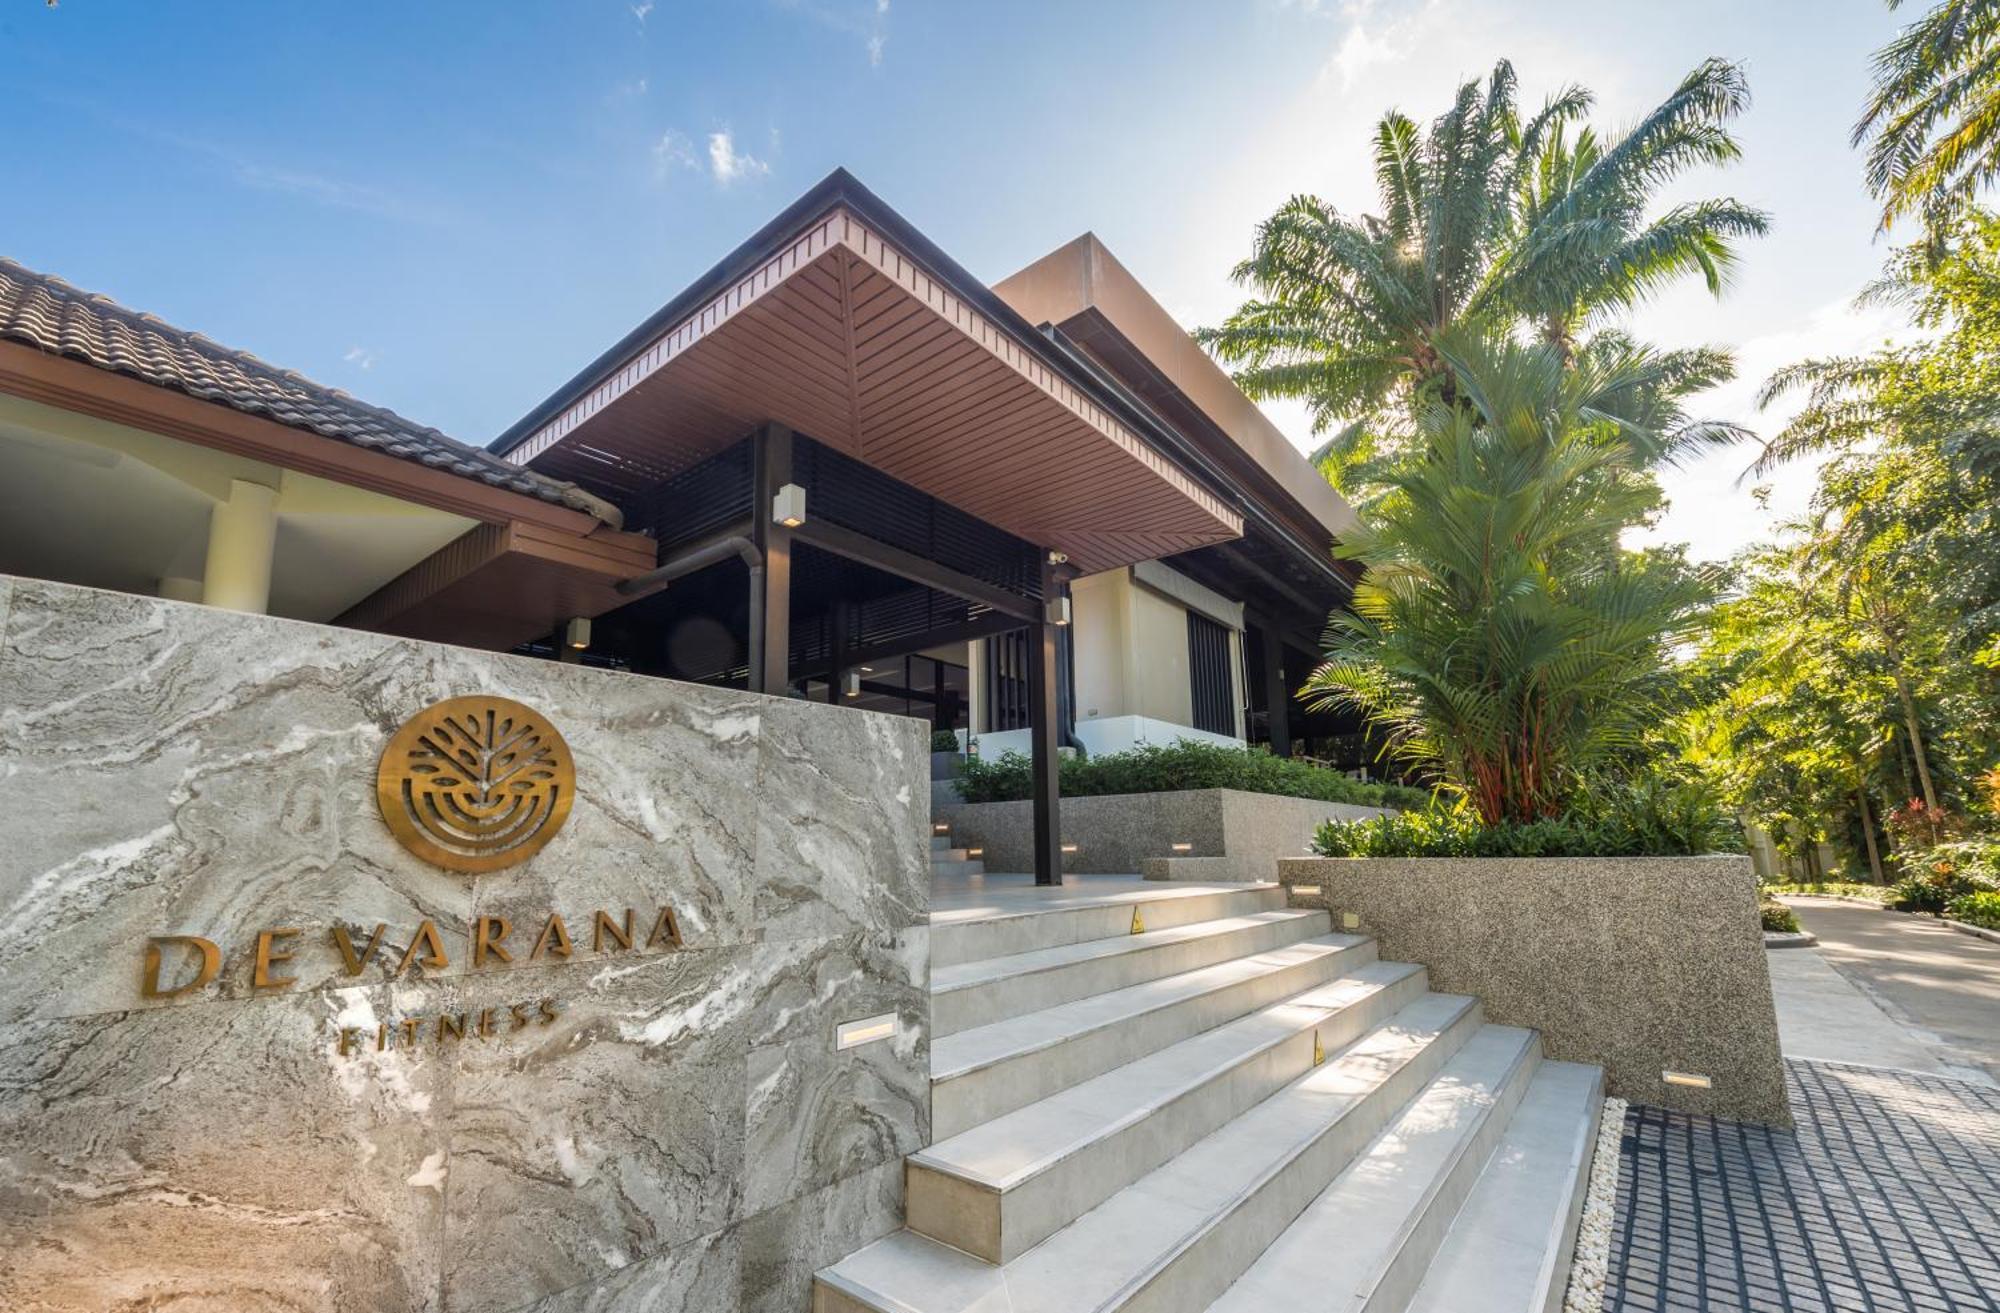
(970, 631)
(1044, 732)
(908, 565)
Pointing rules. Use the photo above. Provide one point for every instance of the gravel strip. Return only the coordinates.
(1600, 1208)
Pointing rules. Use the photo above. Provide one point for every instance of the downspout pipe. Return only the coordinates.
(699, 558)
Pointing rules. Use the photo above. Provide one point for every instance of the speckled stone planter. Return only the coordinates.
(1190, 834)
(1644, 965)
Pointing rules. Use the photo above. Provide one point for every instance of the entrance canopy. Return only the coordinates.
(841, 322)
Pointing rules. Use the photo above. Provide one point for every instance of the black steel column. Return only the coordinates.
(1044, 736)
(771, 587)
(1277, 697)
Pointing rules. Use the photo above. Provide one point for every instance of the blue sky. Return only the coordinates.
(449, 208)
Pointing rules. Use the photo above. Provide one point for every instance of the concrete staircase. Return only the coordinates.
(1195, 1098)
(949, 861)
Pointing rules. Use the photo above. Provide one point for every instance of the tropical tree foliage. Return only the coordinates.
(1932, 125)
(1488, 218)
(1852, 675)
(1500, 638)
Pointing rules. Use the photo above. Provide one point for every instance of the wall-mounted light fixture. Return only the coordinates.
(1350, 921)
(1069, 847)
(1304, 890)
(1058, 610)
(975, 852)
(576, 634)
(852, 1034)
(1687, 1078)
(1183, 847)
(788, 507)
(850, 684)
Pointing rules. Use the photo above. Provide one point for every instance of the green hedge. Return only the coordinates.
(1184, 765)
(1831, 888)
(1779, 919)
(1646, 819)
(1980, 909)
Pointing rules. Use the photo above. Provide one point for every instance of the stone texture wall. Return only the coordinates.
(1640, 964)
(1131, 833)
(682, 1135)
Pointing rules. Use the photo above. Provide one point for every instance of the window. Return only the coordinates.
(1209, 675)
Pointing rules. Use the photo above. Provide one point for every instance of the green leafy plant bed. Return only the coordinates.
(1644, 820)
(1980, 909)
(1181, 766)
(1874, 893)
(1778, 919)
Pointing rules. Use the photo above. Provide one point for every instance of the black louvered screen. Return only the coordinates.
(860, 497)
(1007, 681)
(699, 501)
(1208, 673)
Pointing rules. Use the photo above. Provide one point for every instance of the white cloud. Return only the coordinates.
(640, 10)
(729, 164)
(360, 357)
(673, 151)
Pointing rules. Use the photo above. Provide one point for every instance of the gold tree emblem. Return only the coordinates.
(475, 783)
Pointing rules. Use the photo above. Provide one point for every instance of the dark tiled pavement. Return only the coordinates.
(1887, 1197)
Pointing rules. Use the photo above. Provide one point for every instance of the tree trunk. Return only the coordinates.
(1916, 739)
(1868, 834)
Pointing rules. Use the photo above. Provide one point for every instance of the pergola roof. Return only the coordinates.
(833, 322)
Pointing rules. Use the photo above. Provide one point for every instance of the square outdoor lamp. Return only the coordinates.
(788, 507)
(1058, 610)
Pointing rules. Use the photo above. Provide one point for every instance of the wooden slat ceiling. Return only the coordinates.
(843, 338)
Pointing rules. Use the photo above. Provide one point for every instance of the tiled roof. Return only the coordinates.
(49, 314)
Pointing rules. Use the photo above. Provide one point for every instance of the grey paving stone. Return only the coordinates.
(1885, 1199)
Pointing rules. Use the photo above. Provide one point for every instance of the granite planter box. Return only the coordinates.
(1644, 965)
(1230, 835)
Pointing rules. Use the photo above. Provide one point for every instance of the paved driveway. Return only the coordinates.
(1942, 985)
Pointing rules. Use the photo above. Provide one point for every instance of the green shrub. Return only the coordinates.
(1980, 909)
(1916, 893)
(1779, 919)
(944, 740)
(1831, 888)
(1438, 832)
(1183, 765)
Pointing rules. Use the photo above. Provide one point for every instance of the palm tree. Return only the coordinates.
(1500, 638)
(1485, 218)
(1935, 114)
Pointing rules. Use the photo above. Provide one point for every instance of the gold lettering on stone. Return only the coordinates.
(345, 943)
(211, 962)
(666, 930)
(427, 939)
(487, 932)
(605, 925)
(554, 940)
(269, 955)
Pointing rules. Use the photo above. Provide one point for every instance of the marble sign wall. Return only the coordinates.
(673, 1130)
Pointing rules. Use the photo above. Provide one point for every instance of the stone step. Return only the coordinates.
(979, 993)
(989, 1071)
(944, 792)
(997, 1190)
(1509, 1250)
(940, 853)
(956, 867)
(940, 843)
(1365, 1242)
(1172, 1241)
(1002, 929)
